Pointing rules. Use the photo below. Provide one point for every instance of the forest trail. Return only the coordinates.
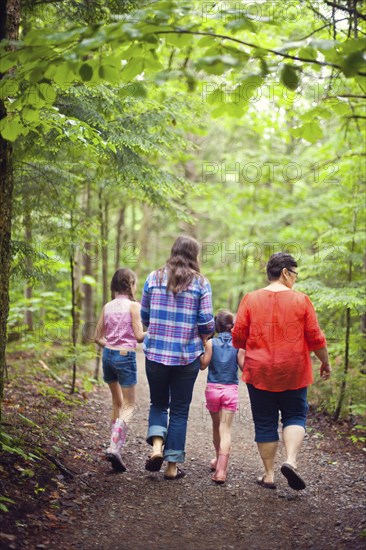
(137, 510)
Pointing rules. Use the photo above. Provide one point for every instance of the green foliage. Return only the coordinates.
(3, 507)
(10, 445)
(240, 128)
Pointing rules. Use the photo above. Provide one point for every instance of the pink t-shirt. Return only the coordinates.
(118, 329)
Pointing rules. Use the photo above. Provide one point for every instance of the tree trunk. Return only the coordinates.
(87, 289)
(144, 242)
(342, 391)
(73, 321)
(103, 218)
(9, 28)
(28, 291)
(119, 239)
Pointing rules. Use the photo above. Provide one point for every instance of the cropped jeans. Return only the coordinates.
(171, 388)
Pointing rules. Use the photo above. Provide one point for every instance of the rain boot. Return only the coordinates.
(118, 437)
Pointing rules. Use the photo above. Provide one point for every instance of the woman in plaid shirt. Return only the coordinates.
(176, 308)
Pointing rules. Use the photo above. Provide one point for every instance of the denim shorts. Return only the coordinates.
(119, 368)
(221, 396)
(267, 405)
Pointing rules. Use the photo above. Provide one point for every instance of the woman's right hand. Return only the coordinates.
(325, 371)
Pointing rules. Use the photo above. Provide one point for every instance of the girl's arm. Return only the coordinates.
(207, 356)
(135, 310)
(99, 331)
(240, 358)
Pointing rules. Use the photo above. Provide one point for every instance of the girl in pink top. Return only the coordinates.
(118, 330)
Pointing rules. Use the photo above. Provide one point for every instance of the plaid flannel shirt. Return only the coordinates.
(175, 322)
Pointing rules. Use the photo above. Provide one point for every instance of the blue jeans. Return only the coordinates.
(171, 387)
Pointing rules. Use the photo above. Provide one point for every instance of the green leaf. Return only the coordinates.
(29, 114)
(132, 89)
(310, 131)
(179, 40)
(353, 45)
(207, 41)
(47, 92)
(8, 60)
(249, 86)
(86, 72)
(8, 87)
(109, 73)
(241, 23)
(63, 74)
(132, 69)
(289, 77)
(308, 53)
(353, 63)
(11, 129)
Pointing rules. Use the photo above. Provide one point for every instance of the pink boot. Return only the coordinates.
(118, 437)
(221, 468)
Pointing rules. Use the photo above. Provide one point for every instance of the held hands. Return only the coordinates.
(325, 370)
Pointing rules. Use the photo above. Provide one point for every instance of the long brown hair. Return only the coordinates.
(182, 266)
(122, 282)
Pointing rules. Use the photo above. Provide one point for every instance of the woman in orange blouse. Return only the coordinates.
(278, 328)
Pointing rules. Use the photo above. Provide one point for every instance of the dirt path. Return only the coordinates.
(137, 510)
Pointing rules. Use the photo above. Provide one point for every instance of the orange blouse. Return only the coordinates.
(277, 330)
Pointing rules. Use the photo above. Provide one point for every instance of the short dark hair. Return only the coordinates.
(224, 321)
(277, 262)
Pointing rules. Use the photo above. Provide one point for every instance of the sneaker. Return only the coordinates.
(115, 459)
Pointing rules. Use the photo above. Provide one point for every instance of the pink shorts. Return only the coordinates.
(222, 396)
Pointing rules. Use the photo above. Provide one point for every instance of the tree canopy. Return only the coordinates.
(241, 124)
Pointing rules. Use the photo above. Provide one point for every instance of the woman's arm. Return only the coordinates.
(99, 337)
(240, 358)
(205, 318)
(325, 368)
(145, 304)
(135, 310)
(207, 356)
(240, 332)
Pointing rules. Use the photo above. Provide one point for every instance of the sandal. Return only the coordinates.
(294, 479)
(180, 473)
(154, 463)
(267, 485)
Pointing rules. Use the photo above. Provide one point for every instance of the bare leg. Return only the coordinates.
(268, 452)
(117, 400)
(215, 435)
(129, 403)
(157, 444)
(292, 438)
(226, 422)
(171, 469)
